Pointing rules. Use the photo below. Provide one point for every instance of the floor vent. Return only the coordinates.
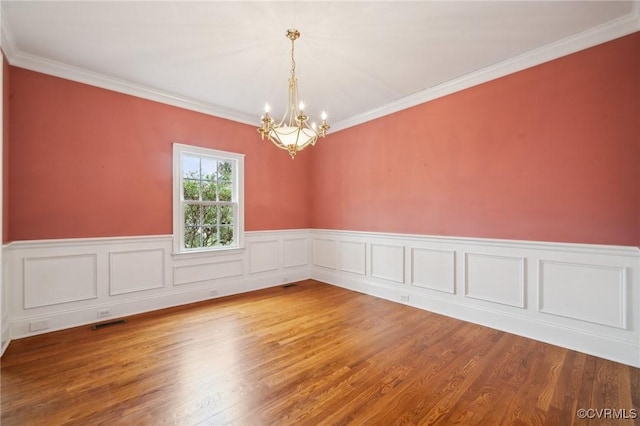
(108, 324)
(289, 285)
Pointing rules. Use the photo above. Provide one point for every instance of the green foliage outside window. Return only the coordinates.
(208, 221)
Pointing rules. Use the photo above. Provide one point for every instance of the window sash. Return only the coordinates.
(234, 183)
(219, 224)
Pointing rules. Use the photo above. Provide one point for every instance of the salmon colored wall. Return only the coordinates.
(551, 153)
(88, 162)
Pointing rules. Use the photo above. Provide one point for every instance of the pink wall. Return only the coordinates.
(551, 153)
(88, 162)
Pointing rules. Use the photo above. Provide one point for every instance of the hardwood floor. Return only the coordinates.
(309, 354)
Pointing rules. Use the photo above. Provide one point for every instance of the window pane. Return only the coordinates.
(208, 168)
(208, 190)
(226, 235)
(192, 238)
(209, 236)
(224, 171)
(190, 189)
(226, 215)
(210, 215)
(190, 166)
(192, 215)
(224, 191)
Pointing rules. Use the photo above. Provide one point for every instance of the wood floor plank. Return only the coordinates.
(311, 354)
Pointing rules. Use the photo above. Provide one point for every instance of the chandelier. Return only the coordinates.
(293, 132)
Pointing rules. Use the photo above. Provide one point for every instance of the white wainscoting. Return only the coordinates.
(387, 262)
(57, 284)
(324, 253)
(561, 291)
(584, 297)
(295, 252)
(352, 257)
(46, 279)
(433, 269)
(145, 268)
(498, 279)
(192, 273)
(263, 256)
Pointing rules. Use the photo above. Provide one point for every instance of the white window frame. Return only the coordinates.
(237, 161)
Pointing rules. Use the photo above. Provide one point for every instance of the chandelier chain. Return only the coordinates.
(293, 61)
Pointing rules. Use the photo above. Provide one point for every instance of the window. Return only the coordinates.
(207, 199)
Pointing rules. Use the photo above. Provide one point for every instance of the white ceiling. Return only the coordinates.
(357, 60)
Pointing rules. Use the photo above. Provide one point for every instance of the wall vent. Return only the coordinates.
(108, 324)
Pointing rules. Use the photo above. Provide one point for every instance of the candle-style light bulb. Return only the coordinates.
(267, 108)
(301, 105)
(324, 115)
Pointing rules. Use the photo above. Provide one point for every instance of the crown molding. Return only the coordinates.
(617, 28)
(58, 69)
(606, 32)
(6, 38)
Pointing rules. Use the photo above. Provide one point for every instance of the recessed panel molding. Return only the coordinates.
(295, 252)
(189, 274)
(387, 262)
(353, 257)
(59, 279)
(593, 293)
(433, 269)
(263, 256)
(136, 270)
(324, 253)
(496, 279)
